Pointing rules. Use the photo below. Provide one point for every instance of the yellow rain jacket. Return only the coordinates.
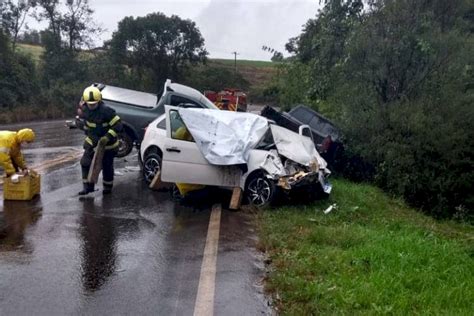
(10, 154)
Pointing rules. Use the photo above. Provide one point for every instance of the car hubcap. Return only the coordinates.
(150, 168)
(122, 145)
(259, 191)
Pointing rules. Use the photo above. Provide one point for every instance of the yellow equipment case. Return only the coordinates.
(25, 189)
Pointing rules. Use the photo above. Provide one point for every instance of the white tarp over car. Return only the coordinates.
(224, 137)
(296, 147)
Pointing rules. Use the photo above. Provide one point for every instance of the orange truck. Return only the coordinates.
(228, 99)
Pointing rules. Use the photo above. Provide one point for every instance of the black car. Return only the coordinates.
(325, 134)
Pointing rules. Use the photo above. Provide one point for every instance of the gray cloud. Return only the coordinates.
(245, 26)
(226, 25)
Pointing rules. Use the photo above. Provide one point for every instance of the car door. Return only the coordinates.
(183, 161)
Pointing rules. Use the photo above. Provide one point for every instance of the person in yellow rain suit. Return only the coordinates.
(182, 133)
(11, 158)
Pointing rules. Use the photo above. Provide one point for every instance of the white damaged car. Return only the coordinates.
(232, 149)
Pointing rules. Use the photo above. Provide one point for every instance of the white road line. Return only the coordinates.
(205, 295)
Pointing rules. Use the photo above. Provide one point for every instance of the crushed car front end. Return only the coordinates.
(287, 162)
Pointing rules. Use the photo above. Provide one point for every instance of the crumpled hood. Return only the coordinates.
(296, 147)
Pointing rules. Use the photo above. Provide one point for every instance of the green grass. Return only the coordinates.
(242, 62)
(372, 255)
(34, 51)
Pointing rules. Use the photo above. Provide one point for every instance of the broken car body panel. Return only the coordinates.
(183, 161)
(296, 147)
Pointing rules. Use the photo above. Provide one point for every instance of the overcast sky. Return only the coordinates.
(226, 25)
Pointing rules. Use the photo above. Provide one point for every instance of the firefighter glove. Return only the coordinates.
(103, 140)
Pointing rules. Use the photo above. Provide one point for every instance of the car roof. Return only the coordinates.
(307, 108)
(128, 96)
(182, 89)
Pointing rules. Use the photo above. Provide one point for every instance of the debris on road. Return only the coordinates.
(236, 198)
(330, 208)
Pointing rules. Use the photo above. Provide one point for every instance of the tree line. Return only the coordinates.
(142, 53)
(397, 77)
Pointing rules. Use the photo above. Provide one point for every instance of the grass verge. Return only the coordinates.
(244, 62)
(371, 255)
(35, 51)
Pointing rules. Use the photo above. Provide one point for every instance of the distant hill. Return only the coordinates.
(258, 73)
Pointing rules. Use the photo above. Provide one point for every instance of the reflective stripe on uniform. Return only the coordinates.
(84, 181)
(108, 182)
(90, 124)
(114, 145)
(105, 124)
(114, 120)
(89, 141)
(112, 132)
(5, 150)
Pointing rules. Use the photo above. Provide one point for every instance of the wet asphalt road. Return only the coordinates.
(134, 252)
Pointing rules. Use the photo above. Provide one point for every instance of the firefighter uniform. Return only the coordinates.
(11, 158)
(102, 125)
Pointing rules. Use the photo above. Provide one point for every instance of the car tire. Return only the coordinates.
(260, 190)
(125, 145)
(151, 165)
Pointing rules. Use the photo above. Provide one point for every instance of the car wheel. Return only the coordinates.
(125, 145)
(151, 165)
(260, 190)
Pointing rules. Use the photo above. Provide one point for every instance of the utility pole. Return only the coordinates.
(235, 61)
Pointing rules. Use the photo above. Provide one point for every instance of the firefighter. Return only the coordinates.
(11, 158)
(101, 126)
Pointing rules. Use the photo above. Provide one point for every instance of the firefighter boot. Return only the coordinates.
(87, 188)
(107, 188)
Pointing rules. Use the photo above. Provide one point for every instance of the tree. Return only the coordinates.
(157, 47)
(13, 16)
(397, 77)
(78, 25)
(18, 83)
(51, 13)
(32, 37)
(322, 45)
(277, 56)
(73, 28)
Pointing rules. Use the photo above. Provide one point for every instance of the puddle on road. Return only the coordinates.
(16, 218)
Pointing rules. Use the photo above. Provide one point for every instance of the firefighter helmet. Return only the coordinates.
(26, 135)
(92, 95)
